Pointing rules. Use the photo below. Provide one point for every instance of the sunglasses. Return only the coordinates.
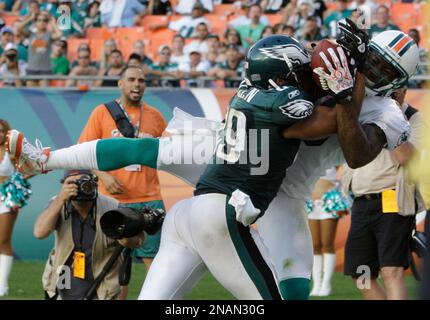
(86, 57)
(43, 20)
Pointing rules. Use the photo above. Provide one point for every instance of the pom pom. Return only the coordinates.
(15, 192)
(334, 201)
(309, 206)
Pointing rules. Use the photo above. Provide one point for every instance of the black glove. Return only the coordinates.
(354, 40)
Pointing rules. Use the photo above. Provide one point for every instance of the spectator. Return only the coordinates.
(6, 5)
(422, 68)
(273, 6)
(319, 9)
(323, 224)
(84, 46)
(134, 60)
(12, 67)
(39, 50)
(115, 68)
(81, 7)
(185, 7)
(194, 68)
(298, 20)
(311, 32)
(7, 216)
(76, 27)
(341, 12)
(7, 37)
(160, 7)
(285, 30)
(133, 186)
(93, 18)
(186, 25)
(165, 68)
(267, 31)
(60, 63)
(365, 9)
(83, 68)
(383, 213)
(232, 67)
(76, 221)
(20, 40)
(214, 54)
(31, 8)
(200, 44)
(108, 47)
(382, 18)
(178, 55)
(121, 13)
(250, 33)
(245, 19)
(139, 48)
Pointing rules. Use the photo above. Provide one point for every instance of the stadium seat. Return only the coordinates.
(98, 33)
(57, 83)
(157, 38)
(224, 9)
(405, 15)
(218, 24)
(96, 46)
(151, 20)
(126, 37)
(274, 18)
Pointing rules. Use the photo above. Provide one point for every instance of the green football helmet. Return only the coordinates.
(275, 57)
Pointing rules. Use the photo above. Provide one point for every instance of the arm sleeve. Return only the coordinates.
(290, 106)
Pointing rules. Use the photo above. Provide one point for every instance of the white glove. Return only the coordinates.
(246, 213)
(340, 79)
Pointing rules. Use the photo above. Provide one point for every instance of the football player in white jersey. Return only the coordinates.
(290, 284)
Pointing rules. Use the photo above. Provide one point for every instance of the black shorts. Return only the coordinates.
(376, 239)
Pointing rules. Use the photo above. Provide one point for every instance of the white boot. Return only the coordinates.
(5, 269)
(316, 275)
(329, 266)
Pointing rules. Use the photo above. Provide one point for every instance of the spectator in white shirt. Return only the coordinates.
(12, 67)
(200, 44)
(185, 7)
(178, 55)
(194, 68)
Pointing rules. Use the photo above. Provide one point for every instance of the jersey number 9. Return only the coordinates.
(235, 137)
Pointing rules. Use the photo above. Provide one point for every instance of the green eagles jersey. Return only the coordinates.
(253, 155)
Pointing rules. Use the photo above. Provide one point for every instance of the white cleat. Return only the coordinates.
(29, 159)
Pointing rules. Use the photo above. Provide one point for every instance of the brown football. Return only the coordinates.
(317, 61)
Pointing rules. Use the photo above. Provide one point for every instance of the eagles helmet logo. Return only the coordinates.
(297, 109)
(278, 51)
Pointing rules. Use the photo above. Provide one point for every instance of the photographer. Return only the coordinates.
(11, 67)
(81, 248)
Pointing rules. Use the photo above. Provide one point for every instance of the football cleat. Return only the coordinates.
(29, 159)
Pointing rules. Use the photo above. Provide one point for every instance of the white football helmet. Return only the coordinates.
(393, 58)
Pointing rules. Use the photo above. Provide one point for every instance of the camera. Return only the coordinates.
(87, 188)
(128, 222)
(11, 57)
(419, 243)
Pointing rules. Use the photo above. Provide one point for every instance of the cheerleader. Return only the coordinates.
(14, 191)
(324, 210)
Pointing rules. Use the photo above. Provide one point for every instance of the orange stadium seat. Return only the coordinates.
(274, 18)
(405, 15)
(96, 46)
(157, 38)
(224, 9)
(151, 20)
(9, 19)
(98, 33)
(218, 24)
(57, 83)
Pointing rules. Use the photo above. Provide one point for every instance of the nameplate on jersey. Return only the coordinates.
(133, 168)
(389, 202)
(79, 265)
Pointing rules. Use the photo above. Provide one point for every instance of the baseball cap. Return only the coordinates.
(6, 30)
(162, 47)
(10, 46)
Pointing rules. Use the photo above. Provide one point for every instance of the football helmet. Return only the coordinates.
(276, 56)
(393, 58)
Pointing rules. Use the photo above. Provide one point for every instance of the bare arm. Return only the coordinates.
(404, 153)
(46, 222)
(133, 242)
(320, 124)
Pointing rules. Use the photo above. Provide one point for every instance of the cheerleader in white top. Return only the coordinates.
(326, 207)
(14, 191)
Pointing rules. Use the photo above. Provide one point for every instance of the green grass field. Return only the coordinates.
(26, 284)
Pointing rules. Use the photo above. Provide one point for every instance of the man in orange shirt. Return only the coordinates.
(135, 185)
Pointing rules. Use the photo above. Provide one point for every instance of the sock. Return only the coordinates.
(294, 289)
(106, 155)
(317, 274)
(5, 269)
(329, 266)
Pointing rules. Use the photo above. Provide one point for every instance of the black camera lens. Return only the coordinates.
(11, 57)
(87, 187)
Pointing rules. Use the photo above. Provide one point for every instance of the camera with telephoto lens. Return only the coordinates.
(129, 222)
(87, 188)
(419, 243)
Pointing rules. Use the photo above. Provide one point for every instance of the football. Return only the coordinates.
(317, 61)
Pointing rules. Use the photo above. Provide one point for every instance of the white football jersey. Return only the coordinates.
(313, 161)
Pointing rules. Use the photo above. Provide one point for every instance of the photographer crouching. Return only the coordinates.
(85, 263)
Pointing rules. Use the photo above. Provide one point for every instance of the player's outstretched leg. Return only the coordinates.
(105, 155)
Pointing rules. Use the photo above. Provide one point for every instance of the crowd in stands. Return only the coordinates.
(176, 42)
